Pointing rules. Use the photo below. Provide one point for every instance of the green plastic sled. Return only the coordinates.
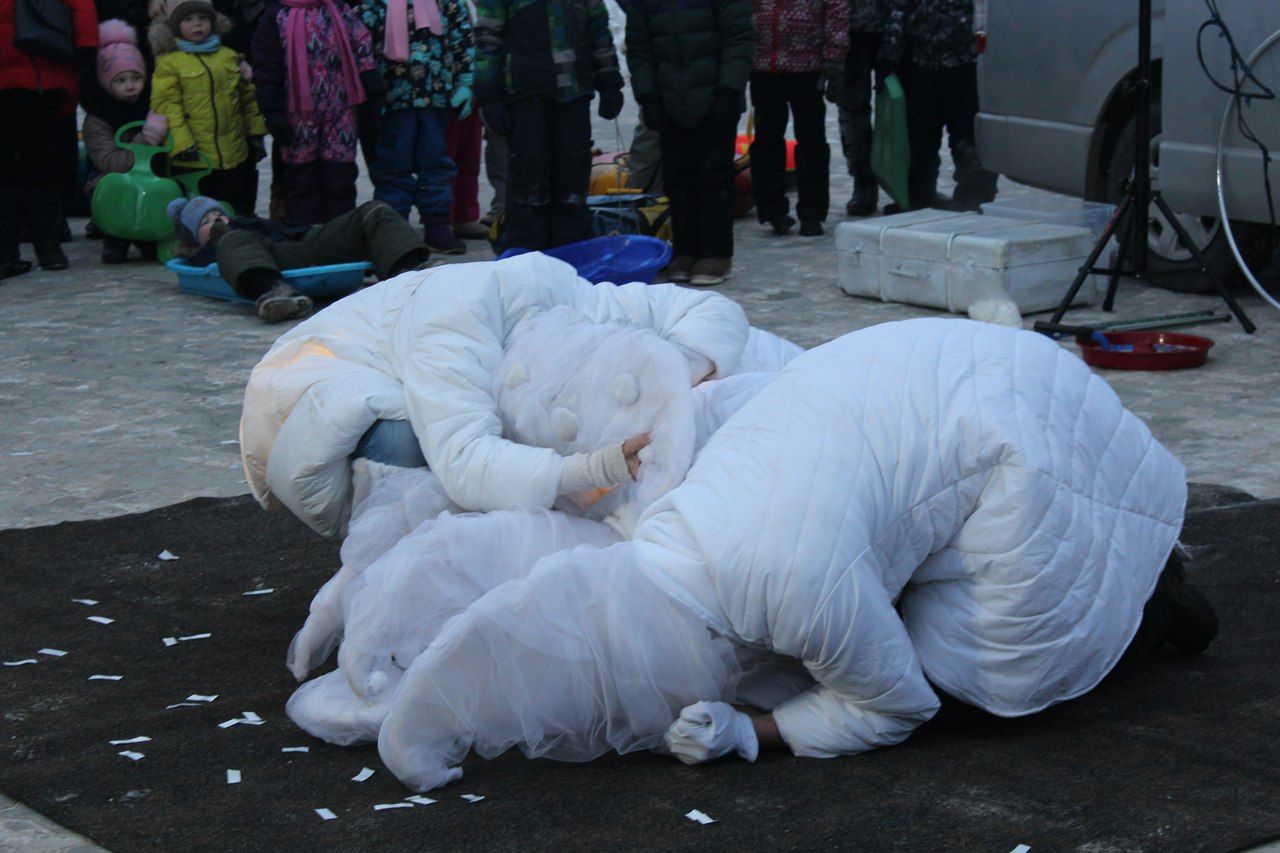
(890, 151)
(131, 205)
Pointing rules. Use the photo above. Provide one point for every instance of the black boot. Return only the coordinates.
(866, 197)
(114, 250)
(11, 263)
(45, 208)
(1176, 613)
(974, 184)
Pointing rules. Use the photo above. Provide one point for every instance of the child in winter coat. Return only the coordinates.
(210, 105)
(425, 58)
(800, 52)
(118, 94)
(313, 66)
(689, 66)
(538, 62)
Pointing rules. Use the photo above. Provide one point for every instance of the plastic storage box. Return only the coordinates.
(1062, 210)
(328, 282)
(951, 260)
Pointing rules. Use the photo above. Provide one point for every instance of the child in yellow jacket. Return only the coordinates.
(202, 89)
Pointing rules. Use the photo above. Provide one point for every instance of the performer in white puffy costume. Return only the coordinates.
(932, 505)
(422, 348)
(407, 568)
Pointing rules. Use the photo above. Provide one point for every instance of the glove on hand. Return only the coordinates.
(155, 129)
(280, 129)
(497, 118)
(708, 730)
(610, 104)
(832, 82)
(461, 101)
(654, 116)
(725, 106)
(600, 469)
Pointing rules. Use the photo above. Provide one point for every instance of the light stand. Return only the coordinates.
(1137, 202)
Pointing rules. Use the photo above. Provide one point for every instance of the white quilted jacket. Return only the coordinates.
(933, 498)
(424, 346)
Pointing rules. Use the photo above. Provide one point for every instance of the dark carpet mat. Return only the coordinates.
(1179, 754)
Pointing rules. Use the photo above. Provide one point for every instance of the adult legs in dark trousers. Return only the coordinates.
(372, 232)
(697, 175)
(855, 121)
(27, 167)
(937, 99)
(773, 96)
(237, 186)
(495, 169)
(548, 174)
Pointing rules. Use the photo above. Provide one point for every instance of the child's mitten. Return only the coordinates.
(610, 104)
(461, 101)
(154, 129)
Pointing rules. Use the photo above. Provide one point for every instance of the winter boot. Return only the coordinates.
(11, 262)
(438, 234)
(470, 231)
(782, 223)
(282, 302)
(680, 270)
(709, 271)
(811, 229)
(45, 208)
(114, 250)
(866, 196)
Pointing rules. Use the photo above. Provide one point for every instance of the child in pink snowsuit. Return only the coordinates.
(313, 65)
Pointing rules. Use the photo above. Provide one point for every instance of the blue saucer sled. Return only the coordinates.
(620, 259)
(320, 283)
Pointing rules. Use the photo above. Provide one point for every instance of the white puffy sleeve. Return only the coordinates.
(870, 690)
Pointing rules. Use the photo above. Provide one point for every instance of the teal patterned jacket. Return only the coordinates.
(437, 65)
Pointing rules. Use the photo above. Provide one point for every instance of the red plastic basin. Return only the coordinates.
(1150, 351)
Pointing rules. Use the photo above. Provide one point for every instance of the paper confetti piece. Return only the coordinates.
(105, 677)
(700, 817)
(53, 653)
(362, 775)
(229, 441)
(203, 636)
(131, 755)
(250, 717)
(259, 591)
(166, 554)
(170, 641)
(295, 749)
(182, 705)
(196, 697)
(87, 602)
(233, 777)
(139, 739)
(472, 798)
(421, 800)
(325, 814)
(226, 724)
(101, 620)
(384, 806)
(20, 662)
(1021, 848)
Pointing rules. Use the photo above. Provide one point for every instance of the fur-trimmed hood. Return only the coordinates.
(163, 40)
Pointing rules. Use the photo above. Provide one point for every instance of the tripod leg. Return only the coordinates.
(1185, 238)
(1087, 269)
(1126, 242)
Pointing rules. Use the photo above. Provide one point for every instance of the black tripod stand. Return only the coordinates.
(1136, 203)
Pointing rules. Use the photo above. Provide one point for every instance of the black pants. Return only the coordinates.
(238, 187)
(773, 96)
(697, 174)
(855, 104)
(32, 167)
(938, 98)
(548, 173)
(318, 191)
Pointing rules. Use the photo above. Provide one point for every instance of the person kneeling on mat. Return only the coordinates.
(252, 252)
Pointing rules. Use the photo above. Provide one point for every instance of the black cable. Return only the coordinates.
(1241, 75)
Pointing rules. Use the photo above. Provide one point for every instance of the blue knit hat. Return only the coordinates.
(186, 214)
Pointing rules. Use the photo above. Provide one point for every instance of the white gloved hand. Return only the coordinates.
(708, 730)
(601, 469)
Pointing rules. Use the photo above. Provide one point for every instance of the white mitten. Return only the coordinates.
(708, 730)
(601, 469)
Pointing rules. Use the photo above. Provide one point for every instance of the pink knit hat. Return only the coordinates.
(118, 51)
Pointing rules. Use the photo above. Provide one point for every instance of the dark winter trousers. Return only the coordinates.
(462, 142)
(855, 105)
(316, 192)
(938, 98)
(697, 175)
(372, 232)
(773, 96)
(30, 167)
(237, 186)
(548, 173)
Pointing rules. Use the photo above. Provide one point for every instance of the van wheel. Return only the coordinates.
(1171, 264)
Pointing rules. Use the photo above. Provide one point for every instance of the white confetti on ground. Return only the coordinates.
(700, 817)
(384, 806)
(259, 591)
(23, 662)
(105, 677)
(87, 602)
(325, 814)
(472, 798)
(233, 777)
(170, 641)
(203, 636)
(138, 739)
(362, 775)
(131, 755)
(296, 749)
(101, 620)
(166, 554)
(196, 697)
(421, 800)
(54, 653)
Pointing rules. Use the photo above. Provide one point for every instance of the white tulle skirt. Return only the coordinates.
(590, 652)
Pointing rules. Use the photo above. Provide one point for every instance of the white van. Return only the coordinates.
(1057, 114)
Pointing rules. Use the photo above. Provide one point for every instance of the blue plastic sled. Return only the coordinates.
(620, 259)
(328, 282)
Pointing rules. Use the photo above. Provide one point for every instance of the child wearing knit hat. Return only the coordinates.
(116, 95)
(211, 107)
